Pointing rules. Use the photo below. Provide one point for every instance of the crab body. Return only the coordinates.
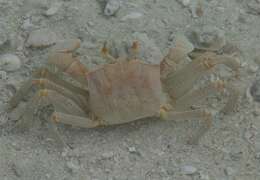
(124, 90)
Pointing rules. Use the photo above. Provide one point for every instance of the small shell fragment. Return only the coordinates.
(53, 9)
(255, 90)
(3, 34)
(112, 7)
(132, 15)
(188, 170)
(184, 2)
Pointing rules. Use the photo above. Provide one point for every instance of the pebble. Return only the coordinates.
(73, 167)
(185, 3)
(132, 149)
(16, 42)
(53, 9)
(256, 111)
(3, 75)
(229, 171)
(255, 90)
(188, 170)
(3, 116)
(3, 34)
(236, 154)
(67, 45)
(252, 69)
(207, 37)
(254, 7)
(132, 15)
(204, 176)
(9, 62)
(251, 134)
(112, 6)
(17, 113)
(18, 169)
(257, 156)
(41, 38)
(27, 25)
(257, 59)
(194, 6)
(107, 155)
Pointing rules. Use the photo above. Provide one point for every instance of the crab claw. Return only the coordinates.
(62, 57)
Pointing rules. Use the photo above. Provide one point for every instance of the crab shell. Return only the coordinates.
(125, 91)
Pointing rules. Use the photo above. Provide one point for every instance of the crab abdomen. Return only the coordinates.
(125, 91)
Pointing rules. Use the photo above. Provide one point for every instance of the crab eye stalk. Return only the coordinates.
(134, 50)
(106, 55)
(104, 49)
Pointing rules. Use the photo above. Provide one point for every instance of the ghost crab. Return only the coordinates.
(124, 90)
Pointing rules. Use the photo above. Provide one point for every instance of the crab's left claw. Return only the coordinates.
(175, 55)
(63, 58)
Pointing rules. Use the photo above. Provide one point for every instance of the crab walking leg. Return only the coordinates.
(15, 100)
(60, 103)
(169, 62)
(52, 80)
(26, 120)
(187, 115)
(70, 65)
(81, 101)
(186, 101)
(45, 97)
(180, 82)
(55, 134)
(79, 121)
(44, 73)
(175, 55)
(233, 99)
(105, 53)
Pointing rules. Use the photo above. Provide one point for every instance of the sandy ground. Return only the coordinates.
(150, 150)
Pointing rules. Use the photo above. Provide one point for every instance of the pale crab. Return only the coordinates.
(124, 90)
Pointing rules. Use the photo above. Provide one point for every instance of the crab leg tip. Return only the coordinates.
(135, 45)
(219, 85)
(163, 114)
(208, 119)
(55, 118)
(43, 92)
(104, 49)
(164, 111)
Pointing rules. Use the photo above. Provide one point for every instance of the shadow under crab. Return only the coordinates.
(124, 90)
